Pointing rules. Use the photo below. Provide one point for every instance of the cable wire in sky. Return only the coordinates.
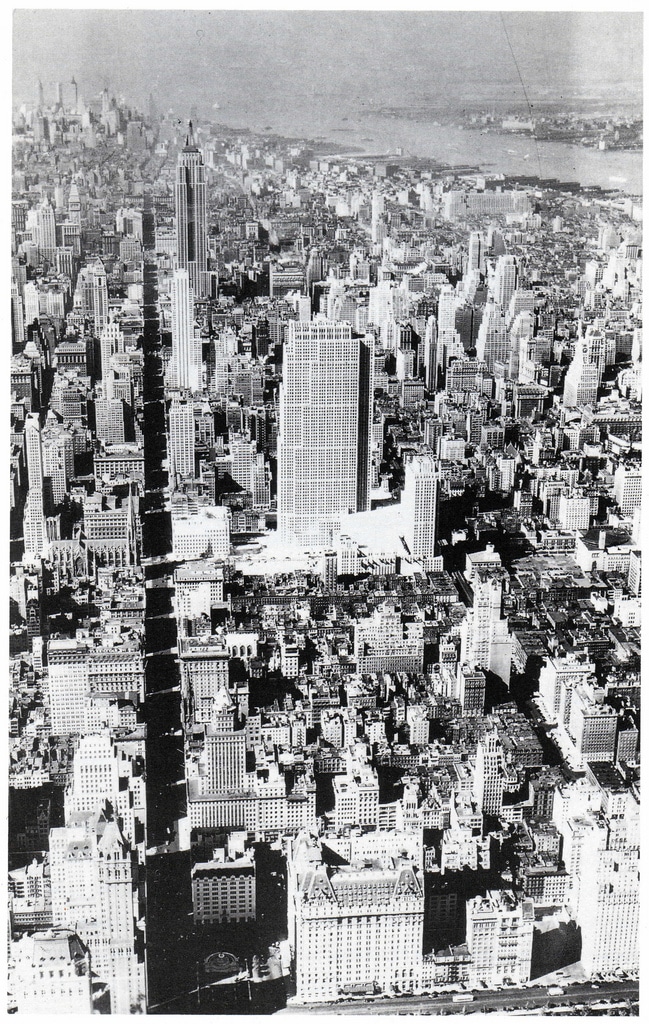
(529, 105)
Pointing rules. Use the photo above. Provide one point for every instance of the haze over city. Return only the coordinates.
(325, 498)
(262, 62)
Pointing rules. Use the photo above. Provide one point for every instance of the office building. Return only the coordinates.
(201, 534)
(185, 347)
(325, 423)
(505, 279)
(486, 642)
(493, 344)
(92, 292)
(489, 779)
(420, 507)
(627, 488)
(191, 215)
(181, 438)
(499, 932)
(111, 341)
(109, 420)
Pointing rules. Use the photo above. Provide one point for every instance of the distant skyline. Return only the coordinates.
(240, 64)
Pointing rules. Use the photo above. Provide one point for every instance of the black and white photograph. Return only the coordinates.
(325, 493)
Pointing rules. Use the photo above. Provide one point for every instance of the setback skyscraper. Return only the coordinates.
(191, 214)
(325, 430)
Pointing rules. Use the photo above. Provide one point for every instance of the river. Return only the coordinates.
(374, 133)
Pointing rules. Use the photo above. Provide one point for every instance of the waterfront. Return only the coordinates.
(373, 133)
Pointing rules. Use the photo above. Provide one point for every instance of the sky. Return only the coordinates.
(269, 60)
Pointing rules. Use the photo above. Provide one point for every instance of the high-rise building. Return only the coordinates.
(224, 889)
(92, 288)
(34, 452)
(111, 341)
(45, 230)
(345, 923)
(490, 773)
(191, 214)
(324, 430)
(584, 374)
(627, 488)
(557, 680)
(609, 911)
(493, 345)
(95, 884)
(109, 420)
(32, 302)
(17, 317)
(499, 932)
(486, 642)
(68, 685)
(505, 277)
(224, 752)
(181, 437)
(34, 527)
(420, 507)
(185, 347)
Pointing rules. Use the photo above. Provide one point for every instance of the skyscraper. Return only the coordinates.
(45, 230)
(185, 348)
(181, 437)
(191, 214)
(111, 340)
(489, 773)
(486, 642)
(420, 501)
(584, 374)
(324, 431)
(505, 278)
(493, 343)
(34, 452)
(93, 288)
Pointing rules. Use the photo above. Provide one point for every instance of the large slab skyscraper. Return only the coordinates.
(191, 214)
(325, 418)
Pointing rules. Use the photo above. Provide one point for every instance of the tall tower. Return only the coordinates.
(186, 350)
(505, 279)
(75, 96)
(17, 317)
(181, 437)
(486, 642)
(46, 230)
(584, 374)
(58, 102)
(325, 424)
(34, 530)
(40, 98)
(111, 341)
(93, 284)
(493, 343)
(489, 773)
(191, 214)
(420, 502)
(34, 452)
(74, 204)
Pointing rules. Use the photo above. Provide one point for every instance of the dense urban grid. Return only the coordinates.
(325, 576)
